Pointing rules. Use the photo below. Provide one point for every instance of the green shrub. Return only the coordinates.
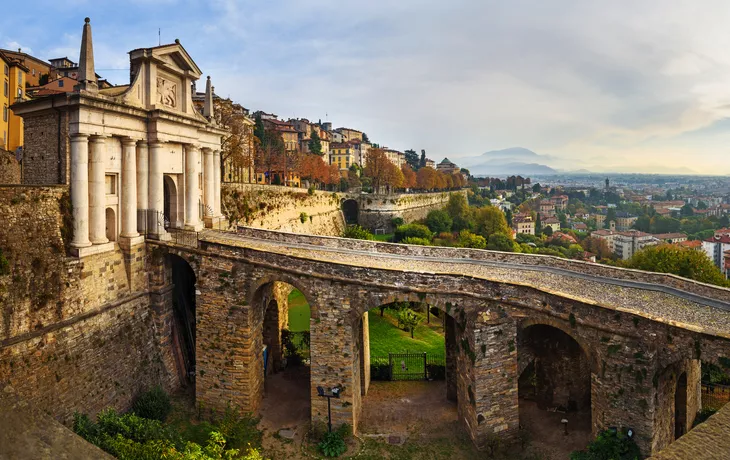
(310, 190)
(416, 241)
(397, 221)
(439, 221)
(332, 444)
(356, 232)
(303, 217)
(468, 239)
(499, 242)
(609, 445)
(412, 231)
(703, 415)
(154, 404)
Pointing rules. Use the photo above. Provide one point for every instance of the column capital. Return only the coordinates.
(142, 143)
(98, 138)
(191, 146)
(207, 150)
(156, 143)
(129, 141)
(79, 136)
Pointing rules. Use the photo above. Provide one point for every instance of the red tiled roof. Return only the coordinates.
(725, 239)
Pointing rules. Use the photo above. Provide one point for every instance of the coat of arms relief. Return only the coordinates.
(166, 92)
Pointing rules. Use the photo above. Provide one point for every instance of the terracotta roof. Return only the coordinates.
(667, 236)
(725, 239)
(693, 244)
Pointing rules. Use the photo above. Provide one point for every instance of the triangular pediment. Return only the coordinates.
(176, 59)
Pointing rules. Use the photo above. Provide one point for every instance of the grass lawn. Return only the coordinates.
(386, 337)
(387, 237)
(298, 312)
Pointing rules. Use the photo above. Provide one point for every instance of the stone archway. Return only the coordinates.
(350, 209)
(170, 208)
(680, 406)
(111, 224)
(184, 302)
(554, 384)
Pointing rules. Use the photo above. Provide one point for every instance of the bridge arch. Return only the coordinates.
(351, 210)
(183, 278)
(678, 397)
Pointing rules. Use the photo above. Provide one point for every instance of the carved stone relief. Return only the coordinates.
(166, 92)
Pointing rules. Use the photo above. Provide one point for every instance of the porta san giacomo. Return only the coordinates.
(98, 235)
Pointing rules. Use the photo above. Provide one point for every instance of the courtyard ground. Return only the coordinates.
(386, 337)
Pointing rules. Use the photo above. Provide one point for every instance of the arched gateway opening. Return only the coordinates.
(284, 323)
(409, 372)
(350, 210)
(680, 406)
(554, 386)
(183, 325)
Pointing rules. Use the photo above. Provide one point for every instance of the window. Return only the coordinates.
(110, 182)
(33, 72)
(60, 83)
(20, 77)
(7, 70)
(20, 93)
(5, 113)
(6, 88)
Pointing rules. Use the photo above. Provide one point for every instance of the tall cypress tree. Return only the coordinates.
(258, 129)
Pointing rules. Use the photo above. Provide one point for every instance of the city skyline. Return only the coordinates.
(592, 83)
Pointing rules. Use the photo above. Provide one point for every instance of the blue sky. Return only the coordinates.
(624, 84)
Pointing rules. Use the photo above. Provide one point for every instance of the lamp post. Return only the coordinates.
(334, 393)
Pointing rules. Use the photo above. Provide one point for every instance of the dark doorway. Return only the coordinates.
(183, 304)
(680, 406)
(350, 210)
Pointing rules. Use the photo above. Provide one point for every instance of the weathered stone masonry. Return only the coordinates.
(628, 364)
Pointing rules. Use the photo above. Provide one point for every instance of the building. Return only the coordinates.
(580, 226)
(430, 163)
(139, 158)
(672, 238)
(279, 177)
(559, 202)
(626, 244)
(287, 131)
(523, 224)
(551, 222)
(606, 235)
(14, 75)
(624, 221)
(395, 157)
(343, 155)
(361, 151)
(57, 86)
(39, 71)
(716, 249)
(447, 167)
(547, 208)
(349, 134)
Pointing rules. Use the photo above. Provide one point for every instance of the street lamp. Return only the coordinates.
(333, 393)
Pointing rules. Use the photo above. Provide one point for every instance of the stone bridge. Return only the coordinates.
(638, 338)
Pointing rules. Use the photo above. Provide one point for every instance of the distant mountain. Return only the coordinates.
(509, 169)
(510, 161)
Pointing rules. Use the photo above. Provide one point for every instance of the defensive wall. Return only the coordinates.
(77, 334)
(289, 209)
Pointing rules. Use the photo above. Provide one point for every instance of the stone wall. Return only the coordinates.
(46, 151)
(77, 334)
(285, 209)
(377, 211)
(9, 168)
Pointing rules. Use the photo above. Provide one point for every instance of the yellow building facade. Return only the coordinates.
(14, 75)
(342, 155)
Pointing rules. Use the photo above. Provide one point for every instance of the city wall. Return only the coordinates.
(376, 212)
(76, 334)
(9, 168)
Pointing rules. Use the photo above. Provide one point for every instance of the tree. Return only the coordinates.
(681, 261)
(270, 152)
(686, 210)
(460, 212)
(465, 172)
(365, 138)
(426, 178)
(412, 159)
(468, 239)
(724, 221)
(412, 231)
(547, 231)
(312, 167)
(701, 205)
(538, 225)
(409, 176)
(500, 242)
(259, 130)
(315, 143)
(438, 221)
(490, 220)
(408, 319)
(422, 163)
(643, 223)
(358, 233)
(537, 188)
(378, 168)
(609, 445)
(610, 216)
(238, 147)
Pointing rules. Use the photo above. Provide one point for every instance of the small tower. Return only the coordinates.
(607, 182)
(87, 75)
(208, 106)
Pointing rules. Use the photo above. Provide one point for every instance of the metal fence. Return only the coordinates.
(714, 396)
(408, 366)
(184, 237)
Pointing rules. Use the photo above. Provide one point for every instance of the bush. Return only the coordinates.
(703, 415)
(500, 242)
(154, 404)
(380, 371)
(609, 445)
(303, 217)
(412, 230)
(332, 445)
(439, 221)
(468, 239)
(416, 241)
(310, 190)
(356, 232)
(436, 371)
(397, 221)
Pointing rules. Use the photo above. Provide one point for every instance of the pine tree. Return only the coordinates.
(315, 143)
(422, 163)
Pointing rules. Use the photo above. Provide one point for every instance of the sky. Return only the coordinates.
(602, 85)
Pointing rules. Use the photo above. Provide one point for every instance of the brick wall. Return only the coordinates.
(46, 149)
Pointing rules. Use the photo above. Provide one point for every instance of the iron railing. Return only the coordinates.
(714, 396)
(408, 366)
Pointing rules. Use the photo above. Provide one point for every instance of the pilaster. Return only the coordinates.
(80, 189)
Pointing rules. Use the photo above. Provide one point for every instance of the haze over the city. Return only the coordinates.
(596, 85)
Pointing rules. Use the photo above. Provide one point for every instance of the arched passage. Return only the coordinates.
(170, 208)
(184, 309)
(408, 369)
(111, 224)
(350, 209)
(554, 385)
(680, 406)
(282, 315)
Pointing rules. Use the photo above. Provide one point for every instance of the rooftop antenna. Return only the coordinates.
(159, 37)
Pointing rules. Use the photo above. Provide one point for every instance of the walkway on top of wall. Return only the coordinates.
(656, 301)
(707, 441)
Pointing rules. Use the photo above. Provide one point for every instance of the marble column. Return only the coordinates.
(142, 183)
(192, 169)
(129, 188)
(97, 194)
(156, 190)
(80, 189)
(217, 183)
(208, 182)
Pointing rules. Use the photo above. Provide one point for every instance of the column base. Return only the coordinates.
(217, 222)
(93, 249)
(126, 242)
(160, 236)
(80, 245)
(196, 227)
